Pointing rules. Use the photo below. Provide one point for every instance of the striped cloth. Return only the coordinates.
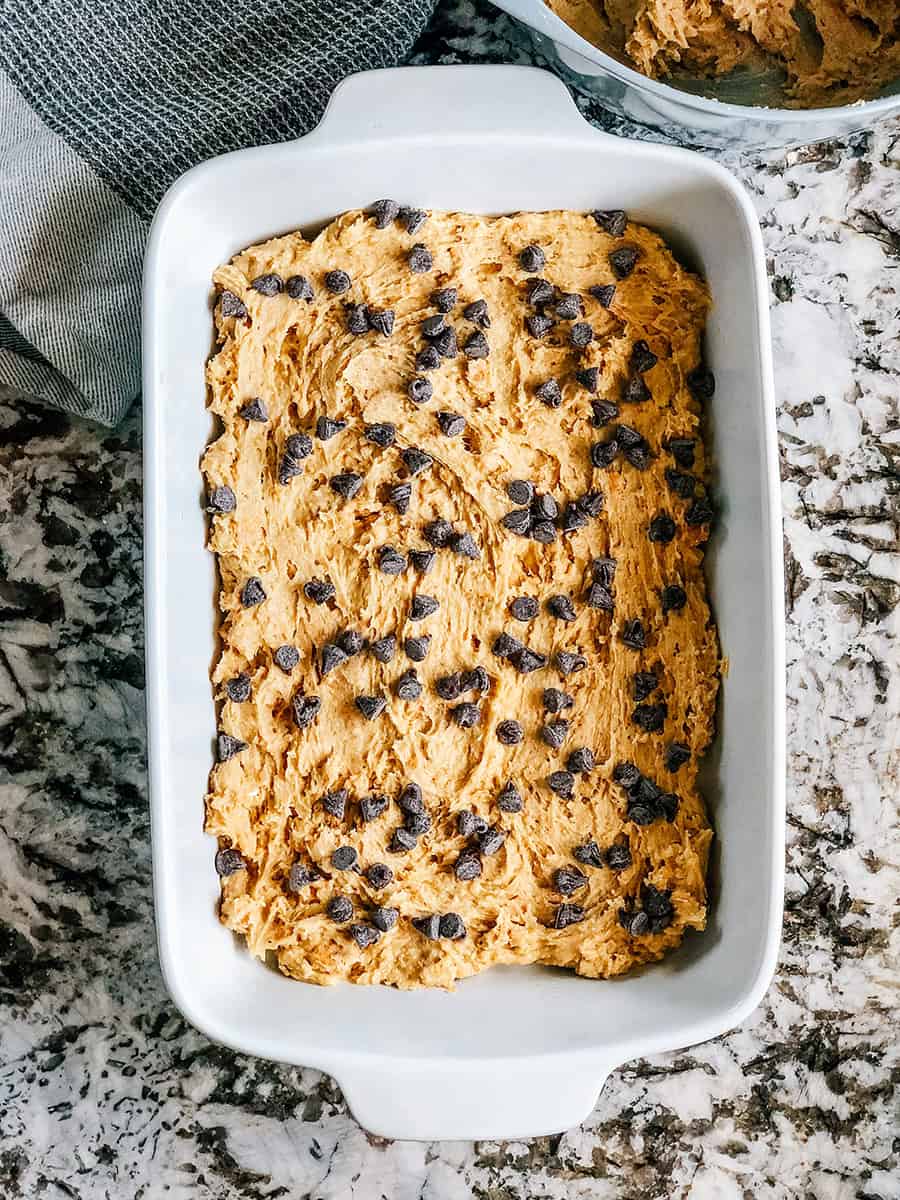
(102, 106)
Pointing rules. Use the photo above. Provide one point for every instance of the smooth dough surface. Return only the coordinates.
(832, 51)
(299, 358)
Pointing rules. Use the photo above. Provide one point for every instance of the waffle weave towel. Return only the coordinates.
(102, 107)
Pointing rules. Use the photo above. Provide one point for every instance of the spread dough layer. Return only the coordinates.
(599, 869)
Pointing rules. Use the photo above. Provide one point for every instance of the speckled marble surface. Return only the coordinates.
(106, 1092)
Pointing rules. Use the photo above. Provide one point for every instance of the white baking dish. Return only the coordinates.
(517, 1051)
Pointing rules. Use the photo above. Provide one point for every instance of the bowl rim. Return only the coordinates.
(546, 22)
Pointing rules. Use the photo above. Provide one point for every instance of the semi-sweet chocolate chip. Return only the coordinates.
(305, 709)
(532, 258)
(554, 733)
(524, 608)
(319, 591)
(477, 313)
(338, 282)
(229, 862)
(444, 299)
(466, 715)
(228, 746)
(419, 259)
(379, 876)
(370, 808)
(371, 706)
(568, 914)
(567, 662)
(562, 783)
(408, 686)
(390, 561)
(422, 560)
(611, 220)
(677, 754)
(673, 597)
(268, 285)
(335, 803)
(467, 866)
(555, 701)
(421, 390)
(340, 909)
(509, 798)
(568, 880)
(286, 657)
(231, 305)
(624, 260)
(384, 212)
(451, 424)
(588, 854)
(222, 500)
(661, 528)
(381, 433)
(581, 761)
(254, 410)
(417, 648)
(603, 293)
(331, 656)
(509, 733)
(238, 689)
(298, 287)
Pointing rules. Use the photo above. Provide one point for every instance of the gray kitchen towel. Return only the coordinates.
(102, 106)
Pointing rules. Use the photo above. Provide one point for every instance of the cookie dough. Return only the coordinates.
(385, 622)
(831, 52)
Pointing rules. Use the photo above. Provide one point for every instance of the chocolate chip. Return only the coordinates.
(661, 528)
(337, 282)
(572, 518)
(465, 545)
(638, 455)
(429, 927)
(643, 684)
(491, 841)
(467, 866)
(432, 326)
(298, 446)
(525, 661)
(335, 803)
(252, 593)
(642, 357)
(581, 335)
(357, 319)
(288, 469)
(650, 717)
(569, 306)
(505, 646)
(581, 761)
(344, 858)
(410, 799)
(438, 532)
(568, 914)
(589, 378)
(400, 495)
(318, 590)
(658, 907)
(603, 454)
(561, 607)
(636, 924)
(612, 220)
(222, 500)
(267, 285)
(254, 410)
(680, 483)
(701, 382)
(532, 258)
(554, 733)
(600, 597)
(603, 412)
(371, 706)
(543, 532)
(509, 733)
(381, 434)
(379, 875)
(370, 808)
(417, 823)
(229, 862)
(674, 598)
(591, 504)
(509, 798)
(346, 484)
(340, 909)
(466, 715)
(444, 299)
(417, 648)
(539, 291)
(384, 212)
(286, 657)
(603, 570)
(624, 260)
(232, 305)
(538, 325)
(416, 460)
(633, 635)
(364, 935)
(390, 561)
(419, 259)
(562, 783)
(305, 709)
(635, 391)
(568, 880)
(402, 842)
(549, 393)
(327, 427)
(384, 648)
(385, 918)
(427, 359)
(476, 680)
(413, 218)
(449, 687)
(682, 450)
(524, 608)
(422, 560)
(544, 508)
(700, 513)
(238, 689)
(603, 293)
(568, 663)
(445, 343)
(618, 856)
(677, 754)
(408, 686)
(330, 658)
(626, 774)
(452, 926)
(588, 854)
(469, 823)
(298, 287)
(420, 390)
(422, 607)
(555, 701)
(228, 746)
(518, 520)
(476, 345)
(477, 313)
(299, 877)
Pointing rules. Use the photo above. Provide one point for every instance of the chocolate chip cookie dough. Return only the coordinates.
(830, 52)
(467, 664)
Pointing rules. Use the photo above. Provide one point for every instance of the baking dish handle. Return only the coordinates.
(472, 1100)
(483, 100)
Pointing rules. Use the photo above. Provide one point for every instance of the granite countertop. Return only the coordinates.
(105, 1091)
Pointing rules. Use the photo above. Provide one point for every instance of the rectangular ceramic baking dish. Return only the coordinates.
(516, 1051)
